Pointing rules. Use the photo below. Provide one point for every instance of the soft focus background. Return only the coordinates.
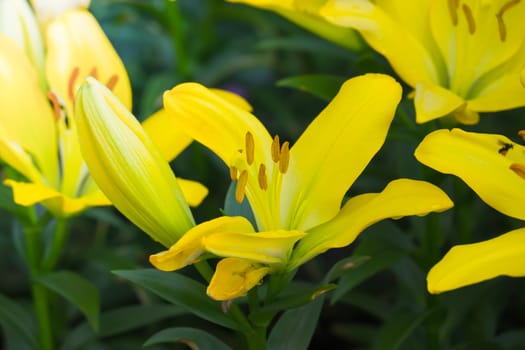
(383, 303)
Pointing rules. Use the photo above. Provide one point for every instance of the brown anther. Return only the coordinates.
(233, 173)
(499, 16)
(263, 180)
(285, 157)
(453, 10)
(522, 134)
(113, 80)
(519, 169)
(240, 189)
(250, 148)
(56, 104)
(71, 83)
(276, 149)
(470, 18)
(94, 72)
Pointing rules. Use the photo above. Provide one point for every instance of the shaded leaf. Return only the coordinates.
(194, 338)
(17, 324)
(319, 85)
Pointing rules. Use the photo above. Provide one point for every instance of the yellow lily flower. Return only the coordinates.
(460, 56)
(295, 192)
(494, 167)
(39, 138)
(305, 13)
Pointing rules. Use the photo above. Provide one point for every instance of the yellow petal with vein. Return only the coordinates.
(472, 263)
(433, 101)
(234, 277)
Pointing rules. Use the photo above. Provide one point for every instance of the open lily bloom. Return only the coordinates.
(460, 56)
(494, 167)
(305, 13)
(295, 192)
(37, 128)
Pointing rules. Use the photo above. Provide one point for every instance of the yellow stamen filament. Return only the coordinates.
(499, 16)
(233, 173)
(263, 180)
(71, 83)
(453, 10)
(470, 18)
(113, 80)
(94, 72)
(522, 134)
(519, 169)
(241, 186)
(56, 104)
(285, 157)
(276, 149)
(250, 148)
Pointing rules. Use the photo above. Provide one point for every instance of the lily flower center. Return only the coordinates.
(466, 10)
(261, 182)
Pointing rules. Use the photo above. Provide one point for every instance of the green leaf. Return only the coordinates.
(295, 328)
(180, 290)
(194, 338)
(18, 324)
(320, 85)
(263, 316)
(398, 328)
(120, 321)
(343, 266)
(77, 290)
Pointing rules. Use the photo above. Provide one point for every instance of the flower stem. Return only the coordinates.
(57, 244)
(256, 339)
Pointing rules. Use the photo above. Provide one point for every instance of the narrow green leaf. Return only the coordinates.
(264, 315)
(295, 328)
(180, 290)
(120, 321)
(77, 290)
(18, 324)
(319, 85)
(194, 338)
(343, 266)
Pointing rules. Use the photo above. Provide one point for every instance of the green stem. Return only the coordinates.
(57, 245)
(175, 25)
(40, 300)
(256, 339)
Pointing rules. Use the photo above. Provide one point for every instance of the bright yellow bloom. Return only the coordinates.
(295, 192)
(306, 14)
(37, 129)
(494, 167)
(460, 56)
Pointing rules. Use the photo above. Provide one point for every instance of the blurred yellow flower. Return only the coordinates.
(295, 192)
(494, 167)
(460, 56)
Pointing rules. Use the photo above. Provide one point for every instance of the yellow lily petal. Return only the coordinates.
(399, 198)
(433, 101)
(482, 161)
(27, 194)
(234, 277)
(336, 147)
(167, 134)
(263, 247)
(194, 192)
(190, 247)
(76, 48)
(12, 154)
(127, 165)
(472, 263)
(48, 10)
(215, 122)
(388, 37)
(233, 98)
(26, 118)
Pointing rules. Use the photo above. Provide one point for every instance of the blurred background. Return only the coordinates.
(384, 303)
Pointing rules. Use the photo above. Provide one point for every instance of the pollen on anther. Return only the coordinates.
(519, 169)
(250, 148)
(285, 157)
(522, 134)
(240, 189)
(453, 10)
(470, 18)
(94, 72)
(233, 173)
(499, 16)
(56, 104)
(263, 180)
(276, 149)
(112, 82)
(71, 83)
